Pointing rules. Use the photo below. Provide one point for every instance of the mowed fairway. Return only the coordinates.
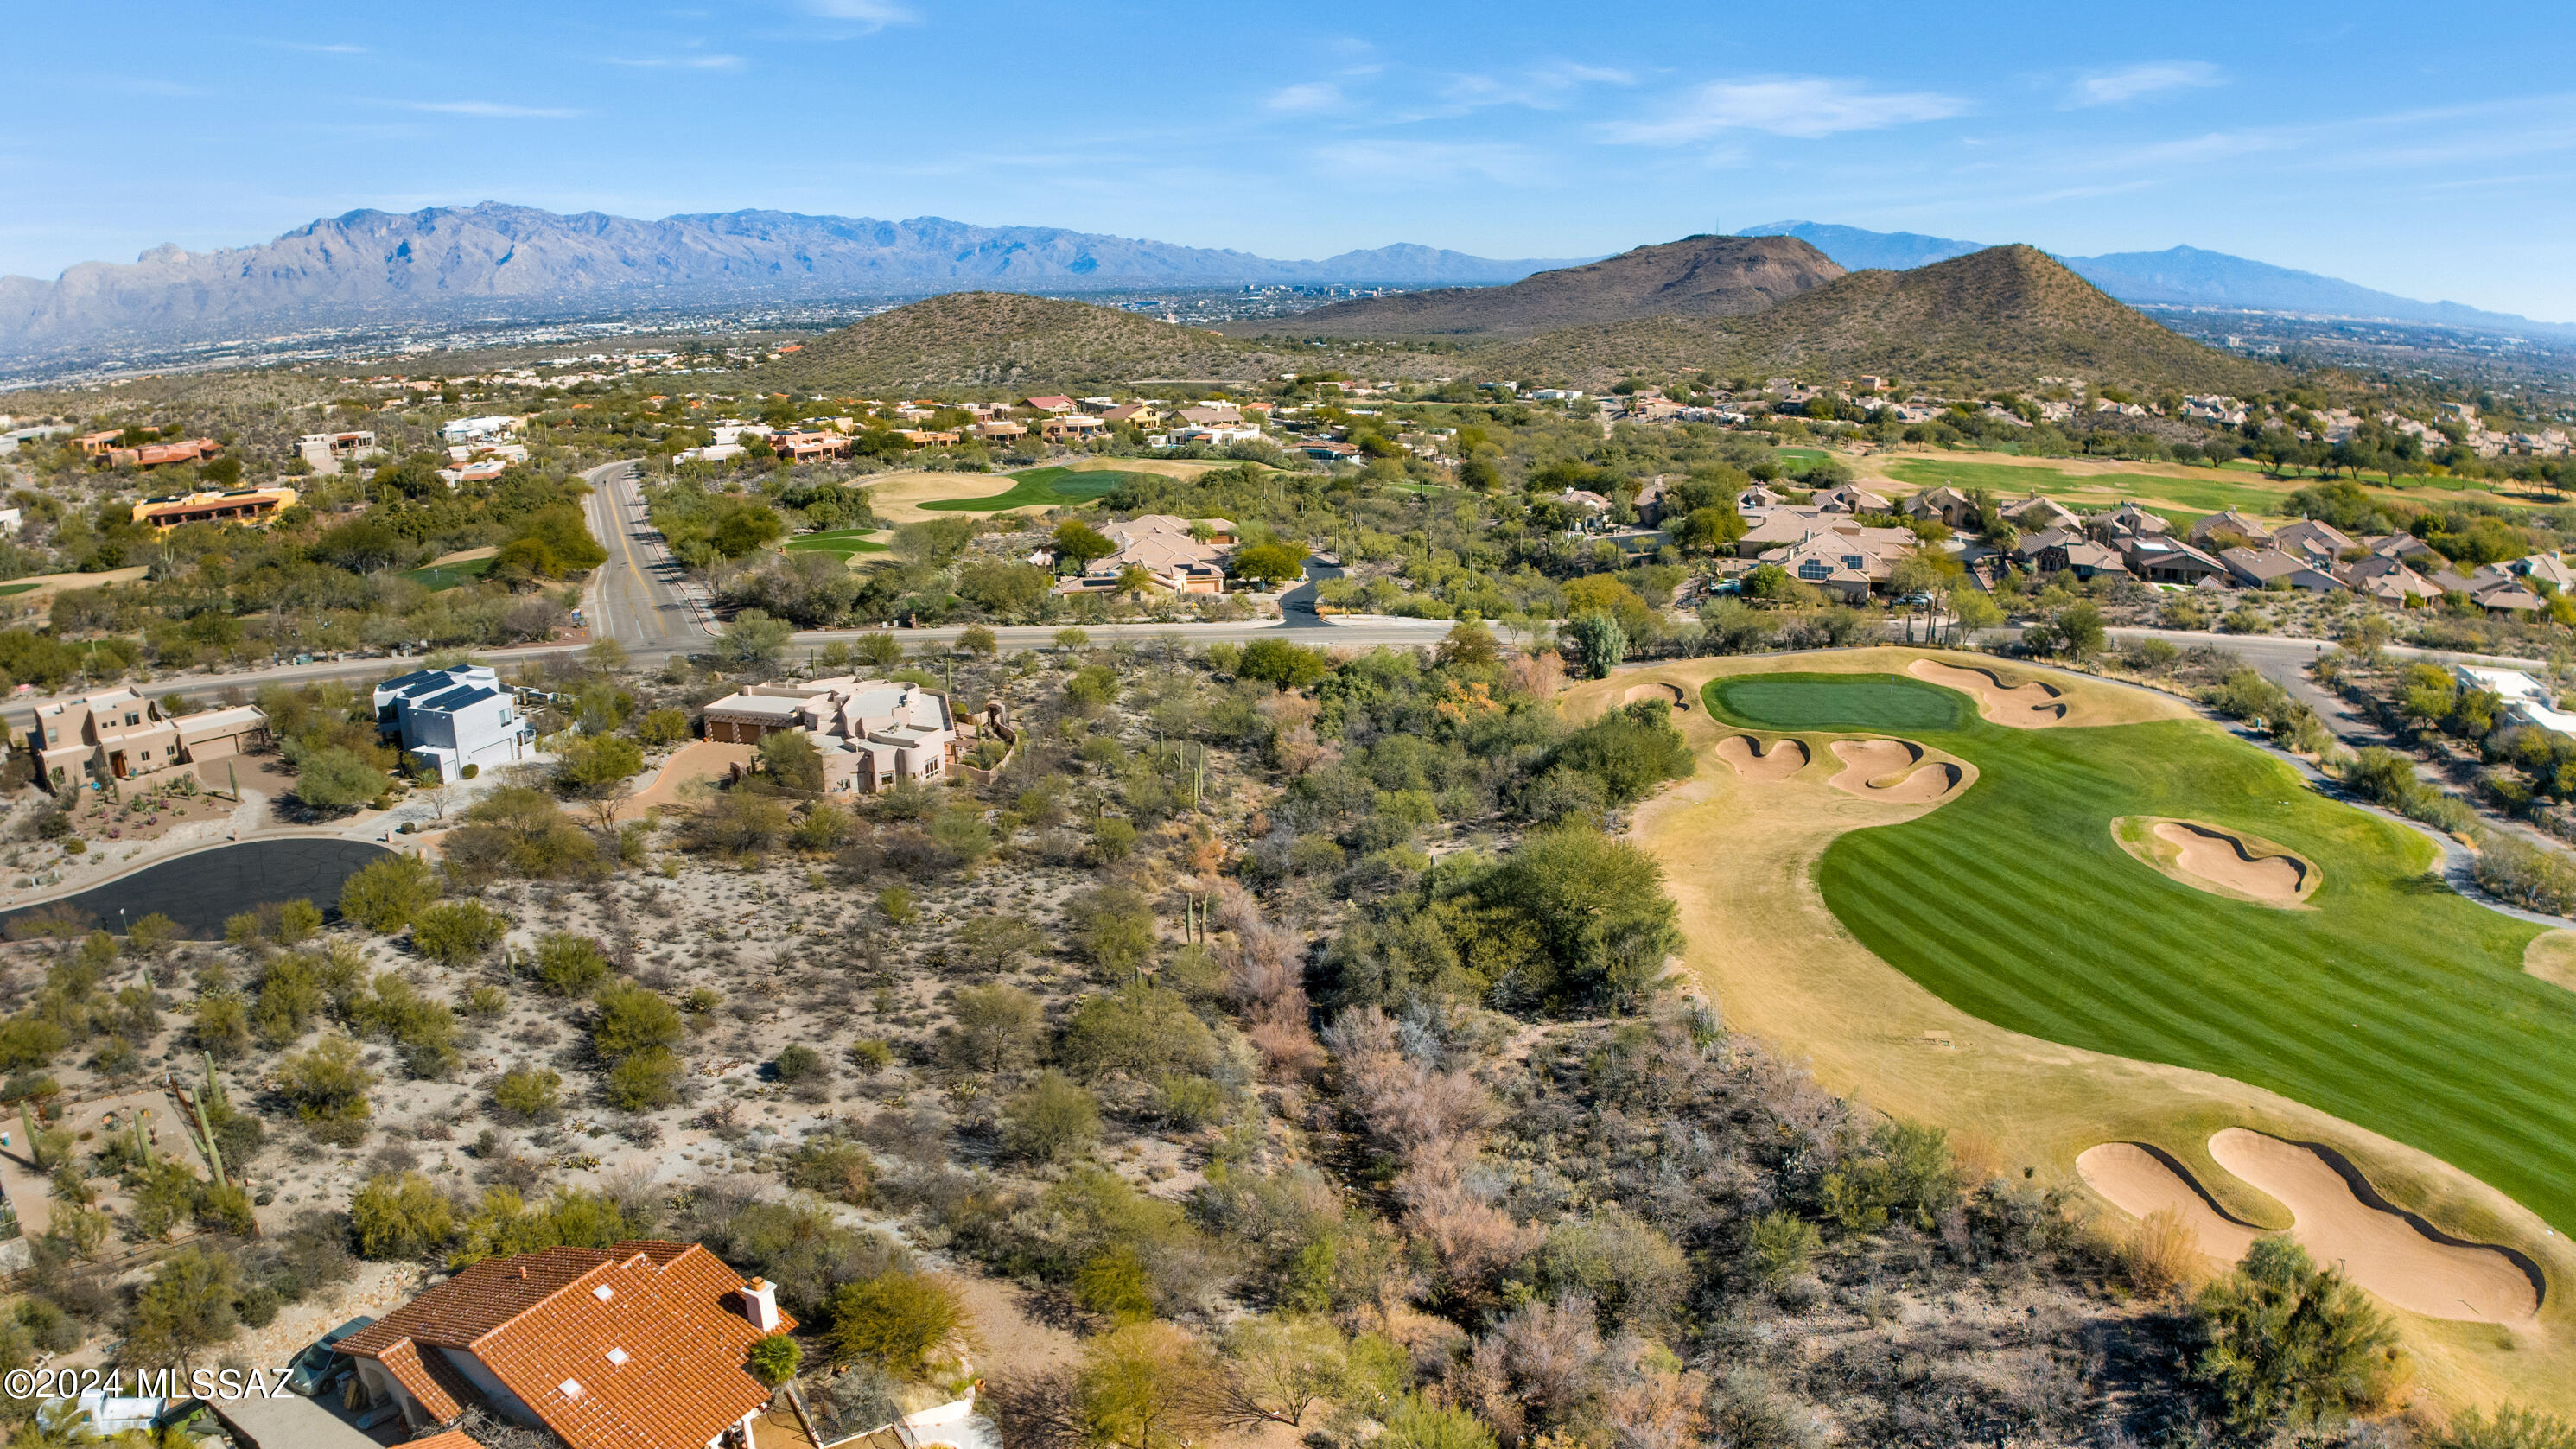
(1038, 488)
(2393, 1003)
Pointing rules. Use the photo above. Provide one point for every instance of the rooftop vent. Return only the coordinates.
(571, 1388)
(603, 1292)
(617, 1355)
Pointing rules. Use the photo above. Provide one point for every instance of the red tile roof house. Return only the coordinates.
(639, 1346)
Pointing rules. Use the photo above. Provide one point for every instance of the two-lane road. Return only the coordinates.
(636, 597)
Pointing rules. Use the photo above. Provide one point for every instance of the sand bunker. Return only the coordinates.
(1672, 694)
(2220, 861)
(2389, 1253)
(2027, 706)
(2140, 1181)
(1745, 754)
(1886, 770)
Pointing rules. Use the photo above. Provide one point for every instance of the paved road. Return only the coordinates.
(637, 598)
(1297, 606)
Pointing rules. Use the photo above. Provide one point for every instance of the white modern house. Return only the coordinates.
(476, 430)
(2526, 700)
(456, 717)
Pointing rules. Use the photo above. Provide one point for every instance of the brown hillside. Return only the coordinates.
(1005, 339)
(1701, 276)
(1996, 318)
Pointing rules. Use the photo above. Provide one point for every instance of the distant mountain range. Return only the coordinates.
(2176, 277)
(374, 267)
(1700, 276)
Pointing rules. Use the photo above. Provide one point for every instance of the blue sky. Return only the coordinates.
(2424, 150)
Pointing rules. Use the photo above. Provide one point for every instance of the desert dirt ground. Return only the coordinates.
(1775, 960)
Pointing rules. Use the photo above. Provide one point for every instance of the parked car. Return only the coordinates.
(321, 1365)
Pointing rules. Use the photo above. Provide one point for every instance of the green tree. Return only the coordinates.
(1630, 751)
(1270, 563)
(2286, 1344)
(997, 1027)
(334, 780)
(186, 1307)
(775, 1359)
(1595, 644)
(1079, 544)
(663, 727)
(896, 1321)
(1289, 666)
(385, 895)
(1147, 1386)
(792, 761)
(753, 640)
(592, 767)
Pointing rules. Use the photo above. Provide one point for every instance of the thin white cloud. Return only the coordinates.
(679, 62)
(1411, 163)
(492, 110)
(2116, 87)
(312, 49)
(1804, 108)
(871, 14)
(1306, 99)
(1543, 87)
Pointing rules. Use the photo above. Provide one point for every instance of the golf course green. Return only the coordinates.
(1039, 487)
(2389, 1001)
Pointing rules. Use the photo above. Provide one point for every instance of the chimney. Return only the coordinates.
(760, 1304)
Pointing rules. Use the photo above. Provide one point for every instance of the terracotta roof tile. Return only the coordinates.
(452, 1439)
(636, 1347)
(403, 1361)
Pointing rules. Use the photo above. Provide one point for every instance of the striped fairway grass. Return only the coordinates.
(2394, 1004)
(1741, 861)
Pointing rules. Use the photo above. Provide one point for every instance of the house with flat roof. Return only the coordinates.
(120, 734)
(643, 1345)
(239, 505)
(454, 718)
(871, 733)
(2526, 700)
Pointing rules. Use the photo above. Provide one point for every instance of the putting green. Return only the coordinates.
(2392, 1003)
(1039, 487)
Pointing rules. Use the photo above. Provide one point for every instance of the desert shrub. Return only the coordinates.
(841, 1171)
(1142, 1029)
(1051, 1120)
(796, 1062)
(327, 1087)
(627, 1018)
(527, 1094)
(1783, 1244)
(663, 727)
(2285, 1342)
(646, 1079)
(570, 964)
(456, 932)
(503, 1224)
(400, 1215)
(897, 1321)
(385, 895)
(2509, 1428)
(2161, 1253)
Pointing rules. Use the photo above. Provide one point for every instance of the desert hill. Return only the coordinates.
(1701, 276)
(1995, 318)
(1009, 339)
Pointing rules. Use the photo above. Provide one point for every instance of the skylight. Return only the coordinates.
(603, 1292)
(571, 1388)
(617, 1355)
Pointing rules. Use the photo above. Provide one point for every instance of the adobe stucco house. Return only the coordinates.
(644, 1345)
(119, 733)
(871, 733)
